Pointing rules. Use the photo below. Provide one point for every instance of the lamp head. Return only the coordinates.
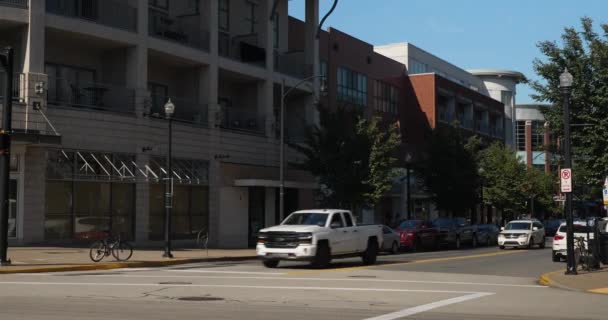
(169, 108)
(565, 80)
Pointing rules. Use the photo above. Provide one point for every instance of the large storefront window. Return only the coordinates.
(88, 194)
(190, 212)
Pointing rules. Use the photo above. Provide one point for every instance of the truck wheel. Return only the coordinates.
(501, 247)
(395, 248)
(271, 263)
(323, 256)
(371, 253)
(542, 243)
(457, 244)
(474, 241)
(531, 243)
(555, 257)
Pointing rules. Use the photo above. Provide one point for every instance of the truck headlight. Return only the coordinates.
(523, 235)
(305, 237)
(262, 237)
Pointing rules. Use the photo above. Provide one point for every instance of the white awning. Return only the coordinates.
(274, 184)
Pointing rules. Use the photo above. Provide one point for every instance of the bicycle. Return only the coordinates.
(119, 249)
(202, 239)
(581, 254)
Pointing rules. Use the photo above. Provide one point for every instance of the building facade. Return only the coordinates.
(91, 137)
(532, 138)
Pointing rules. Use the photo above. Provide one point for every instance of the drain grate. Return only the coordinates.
(368, 277)
(175, 283)
(200, 299)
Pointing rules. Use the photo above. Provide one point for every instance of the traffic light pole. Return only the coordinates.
(6, 57)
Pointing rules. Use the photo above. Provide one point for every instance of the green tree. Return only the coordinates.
(585, 53)
(351, 156)
(449, 170)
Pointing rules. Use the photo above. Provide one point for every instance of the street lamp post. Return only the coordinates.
(6, 60)
(482, 204)
(565, 84)
(169, 110)
(408, 164)
(282, 138)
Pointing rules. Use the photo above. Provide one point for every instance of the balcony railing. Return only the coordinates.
(185, 30)
(187, 111)
(241, 120)
(291, 63)
(112, 13)
(243, 48)
(14, 3)
(90, 95)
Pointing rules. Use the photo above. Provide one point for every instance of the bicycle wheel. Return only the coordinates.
(97, 251)
(122, 251)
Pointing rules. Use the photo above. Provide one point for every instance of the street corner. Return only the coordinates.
(549, 279)
(599, 290)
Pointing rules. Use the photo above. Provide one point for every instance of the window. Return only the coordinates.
(385, 98)
(442, 108)
(520, 135)
(336, 221)
(352, 87)
(349, 221)
(251, 19)
(538, 136)
(418, 67)
(224, 15)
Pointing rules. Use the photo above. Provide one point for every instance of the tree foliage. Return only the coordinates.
(449, 171)
(585, 53)
(351, 156)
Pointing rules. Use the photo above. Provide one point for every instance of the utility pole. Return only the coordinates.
(6, 58)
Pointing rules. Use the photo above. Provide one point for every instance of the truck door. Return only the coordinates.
(352, 234)
(338, 234)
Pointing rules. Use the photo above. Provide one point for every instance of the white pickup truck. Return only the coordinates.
(318, 236)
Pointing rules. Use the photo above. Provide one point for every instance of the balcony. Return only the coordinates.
(243, 48)
(90, 96)
(292, 64)
(186, 111)
(14, 3)
(184, 30)
(111, 13)
(241, 120)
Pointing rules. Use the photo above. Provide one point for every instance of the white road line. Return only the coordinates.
(110, 275)
(226, 272)
(430, 306)
(110, 284)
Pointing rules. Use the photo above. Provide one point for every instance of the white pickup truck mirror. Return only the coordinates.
(502, 228)
(535, 229)
(335, 225)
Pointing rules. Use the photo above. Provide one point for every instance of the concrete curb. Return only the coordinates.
(119, 265)
(546, 280)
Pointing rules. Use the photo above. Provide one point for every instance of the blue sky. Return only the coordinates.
(472, 34)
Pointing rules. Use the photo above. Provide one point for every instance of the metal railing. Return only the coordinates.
(14, 3)
(243, 48)
(188, 111)
(242, 120)
(186, 30)
(112, 13)
(90, 95)
(292, 64)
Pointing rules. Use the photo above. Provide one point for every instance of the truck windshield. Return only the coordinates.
(307, 219)
(518, 226)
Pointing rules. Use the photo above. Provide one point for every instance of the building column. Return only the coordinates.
(311, 52)
(529, 143)
(35, 38)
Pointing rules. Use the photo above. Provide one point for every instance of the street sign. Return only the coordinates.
(566, 180)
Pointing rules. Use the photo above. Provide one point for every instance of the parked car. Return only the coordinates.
(522, 234)
(455, 232)
(487, 234)
(580, 229)
(552, 225)
(318, 236)
(391, 240)
(417, 234)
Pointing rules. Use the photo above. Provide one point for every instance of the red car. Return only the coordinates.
(417, 234)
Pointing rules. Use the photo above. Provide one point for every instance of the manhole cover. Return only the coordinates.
(175, 282)
(200, 299)
(361, 276)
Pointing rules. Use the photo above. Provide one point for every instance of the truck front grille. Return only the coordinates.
(282, 240)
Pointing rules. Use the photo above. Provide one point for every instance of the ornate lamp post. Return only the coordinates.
(169, 111)
(565, 84)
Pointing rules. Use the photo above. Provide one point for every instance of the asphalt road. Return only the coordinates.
(483, 283)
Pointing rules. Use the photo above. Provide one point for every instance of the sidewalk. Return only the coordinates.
(594, 281)
(56, 259)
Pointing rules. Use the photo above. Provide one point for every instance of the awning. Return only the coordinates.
(274, 184)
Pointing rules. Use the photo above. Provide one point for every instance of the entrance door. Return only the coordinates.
(257, 213)
(12, 210)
